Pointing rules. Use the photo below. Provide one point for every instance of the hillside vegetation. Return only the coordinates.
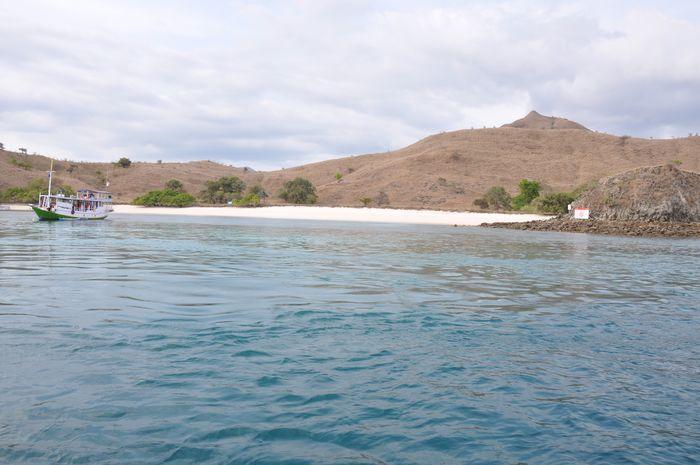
(444, 171)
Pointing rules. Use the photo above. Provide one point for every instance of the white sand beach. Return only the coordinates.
(377, 215)
(372, 215)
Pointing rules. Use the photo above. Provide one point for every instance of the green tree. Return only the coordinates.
(232, 184)
(556, 203)
(338, 176)
(497, 198)
(529, 191)
(174, 185)
(299, 191)
(124, 162)
(223, 189)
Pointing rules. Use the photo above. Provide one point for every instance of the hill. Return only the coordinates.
(444, 171)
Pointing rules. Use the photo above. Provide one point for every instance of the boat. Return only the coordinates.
(86, 204)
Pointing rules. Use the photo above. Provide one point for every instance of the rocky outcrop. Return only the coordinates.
(658, 193)
(608, 227)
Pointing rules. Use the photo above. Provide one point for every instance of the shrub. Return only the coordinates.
(101, 177)
(259, 191)
(299, 191)
(497, 198)
(529, 191)
(381, 199)
(249, 200)
(223, 189)
(124, 162)
(21, 163)
(481, 203)
(174, 185)
(338, 176)
(365, 201)
(584, 188)
(556, 203)
(165, 198)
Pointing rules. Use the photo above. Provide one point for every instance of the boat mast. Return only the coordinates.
(50, 176)
(48, 197)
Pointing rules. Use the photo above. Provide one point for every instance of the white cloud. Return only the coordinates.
(283, 83)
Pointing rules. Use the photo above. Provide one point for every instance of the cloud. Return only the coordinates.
(283, 83)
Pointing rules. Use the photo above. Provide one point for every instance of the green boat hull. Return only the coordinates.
(45, 215)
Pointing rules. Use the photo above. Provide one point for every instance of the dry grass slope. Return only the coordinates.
(444, 171)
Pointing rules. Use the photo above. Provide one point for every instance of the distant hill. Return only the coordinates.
(443, 171)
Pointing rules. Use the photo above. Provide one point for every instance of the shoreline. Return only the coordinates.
(367, 215)
(636, 228)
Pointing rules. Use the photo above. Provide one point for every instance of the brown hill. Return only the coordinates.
(443, 171)
(534, 120)
(657, 193)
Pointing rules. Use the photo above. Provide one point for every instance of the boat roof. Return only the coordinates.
(94, 191)
(73, 197)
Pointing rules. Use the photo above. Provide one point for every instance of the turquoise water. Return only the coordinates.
(143, 340)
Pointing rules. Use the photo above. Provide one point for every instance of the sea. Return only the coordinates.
(181, 340)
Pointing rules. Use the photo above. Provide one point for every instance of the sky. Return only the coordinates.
(281, 83)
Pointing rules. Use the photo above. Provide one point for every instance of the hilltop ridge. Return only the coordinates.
(534, 120)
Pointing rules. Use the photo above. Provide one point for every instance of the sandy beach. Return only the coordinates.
(376, 215)
(372, 215)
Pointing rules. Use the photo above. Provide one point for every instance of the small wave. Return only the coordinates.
(251, 353)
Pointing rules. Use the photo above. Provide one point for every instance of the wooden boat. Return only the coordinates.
(87, 204)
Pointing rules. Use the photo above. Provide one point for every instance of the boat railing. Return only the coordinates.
(76, 197)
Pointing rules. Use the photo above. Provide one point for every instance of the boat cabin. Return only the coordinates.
(85, 203)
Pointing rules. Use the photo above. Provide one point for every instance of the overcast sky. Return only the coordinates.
(272, 84)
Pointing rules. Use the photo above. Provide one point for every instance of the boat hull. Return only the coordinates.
(45, 215)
